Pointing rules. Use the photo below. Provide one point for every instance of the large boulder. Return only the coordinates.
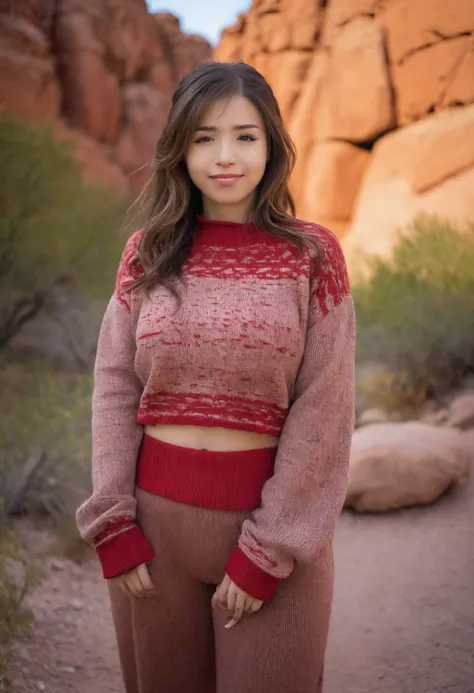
(458, 414)
(28, 82)
(438, 77)
(357, 92)
(94, 159)
(396, 465)
(144, 119)
(425, 167)
(371, 68)
(98, 47)
(184, 51)
(413, 25)
(461, 411)
(40, 13)
(341, 12)
(286, 70)
(96, 70)
(334, 173)
(430, 50)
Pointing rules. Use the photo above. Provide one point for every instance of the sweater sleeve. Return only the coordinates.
(302, 500)
(107, 520)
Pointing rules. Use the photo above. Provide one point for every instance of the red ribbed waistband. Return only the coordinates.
(206, 478)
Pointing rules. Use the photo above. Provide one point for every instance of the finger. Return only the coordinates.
(145, 579)
(134, 584)
(119, 582)
(256, 606)
(238, 610)
(137, 583)
(221, 592)
(226, 583)
(248, 603)
(232, 595)
(216, 599)
(128, 584)
(224, 589)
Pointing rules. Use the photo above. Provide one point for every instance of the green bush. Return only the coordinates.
(45, 445)
(59, 249)
(415, 315)
(14, 617)
(44, 437)
(57, 236)
(53, 228)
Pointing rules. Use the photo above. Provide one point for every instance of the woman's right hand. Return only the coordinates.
(136, 582)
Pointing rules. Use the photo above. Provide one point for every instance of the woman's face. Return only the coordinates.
(227, 157)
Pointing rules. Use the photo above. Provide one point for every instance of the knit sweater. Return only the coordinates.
(263, 342)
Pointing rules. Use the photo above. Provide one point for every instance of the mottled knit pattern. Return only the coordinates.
(263, 342)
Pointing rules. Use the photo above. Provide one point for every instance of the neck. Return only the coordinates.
(235, 213)
(227, 233)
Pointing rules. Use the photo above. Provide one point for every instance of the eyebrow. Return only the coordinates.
(212, 128)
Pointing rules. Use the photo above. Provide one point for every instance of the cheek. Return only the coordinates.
(194, 162)
(258, 161)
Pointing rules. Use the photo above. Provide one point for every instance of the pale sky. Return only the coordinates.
(204, 17)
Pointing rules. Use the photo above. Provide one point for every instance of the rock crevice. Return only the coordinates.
(429, 44)
(376, 112)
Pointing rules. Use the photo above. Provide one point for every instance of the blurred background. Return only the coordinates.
(378, 96)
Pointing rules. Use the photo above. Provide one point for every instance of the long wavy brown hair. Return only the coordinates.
(170, 201)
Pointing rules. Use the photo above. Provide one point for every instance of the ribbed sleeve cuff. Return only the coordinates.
(249, 577)
(124, 551)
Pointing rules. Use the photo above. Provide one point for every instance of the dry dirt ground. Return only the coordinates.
(403, 619)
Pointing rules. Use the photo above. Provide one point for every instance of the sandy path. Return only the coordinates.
(403, 619)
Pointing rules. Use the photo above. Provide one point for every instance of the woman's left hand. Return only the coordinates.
(236, 601)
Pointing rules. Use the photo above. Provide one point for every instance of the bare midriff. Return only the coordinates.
(216, 439)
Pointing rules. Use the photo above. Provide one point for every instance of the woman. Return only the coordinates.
(222, 409)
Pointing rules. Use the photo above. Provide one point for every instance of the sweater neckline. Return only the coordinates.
(226, 233)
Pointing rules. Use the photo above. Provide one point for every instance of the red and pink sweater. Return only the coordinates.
(263, 342)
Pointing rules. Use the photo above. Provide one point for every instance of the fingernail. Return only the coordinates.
(231, 624)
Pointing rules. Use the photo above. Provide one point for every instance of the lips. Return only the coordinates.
(227, 176)
(226, 179)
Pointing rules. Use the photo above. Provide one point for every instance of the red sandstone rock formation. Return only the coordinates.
(375, 94)
(101, 72)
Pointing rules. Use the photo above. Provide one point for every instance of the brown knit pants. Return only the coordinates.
(176, 643)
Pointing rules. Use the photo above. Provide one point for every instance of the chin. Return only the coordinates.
(229, 197)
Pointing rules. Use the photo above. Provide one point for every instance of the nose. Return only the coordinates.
(225, 154)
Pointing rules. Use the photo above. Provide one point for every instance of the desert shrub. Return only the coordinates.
(44, 469)
(45, 438)
(14, 617)
(415, 315)
(59, 239)
(53, 228)
(59, 249)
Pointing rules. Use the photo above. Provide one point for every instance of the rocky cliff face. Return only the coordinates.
(101, 72)
(376, 96)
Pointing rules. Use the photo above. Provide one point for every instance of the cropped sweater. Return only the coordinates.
(263, 342)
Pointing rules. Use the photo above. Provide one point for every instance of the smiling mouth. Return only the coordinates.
(227, 176)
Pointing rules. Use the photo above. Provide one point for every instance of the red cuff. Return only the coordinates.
(124, 551)
(249, 577)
